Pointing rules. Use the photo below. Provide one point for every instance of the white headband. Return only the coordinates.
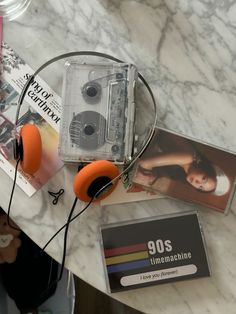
(222, 182)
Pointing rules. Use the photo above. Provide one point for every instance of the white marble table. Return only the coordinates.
(186, 50)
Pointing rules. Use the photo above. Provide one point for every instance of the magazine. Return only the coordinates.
(41, 107)
(185, 169)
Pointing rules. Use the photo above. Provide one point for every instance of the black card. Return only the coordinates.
(148, 252)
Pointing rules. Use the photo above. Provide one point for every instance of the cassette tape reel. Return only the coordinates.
(98, 112)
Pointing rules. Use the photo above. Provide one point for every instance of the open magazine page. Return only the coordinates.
(186, 169)
(41, 107)
(127, 191)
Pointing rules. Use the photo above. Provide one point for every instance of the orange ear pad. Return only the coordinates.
(91, 178)
(31, 148)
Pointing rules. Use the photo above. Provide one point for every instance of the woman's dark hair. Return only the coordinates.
(173, 172)
(206, 166)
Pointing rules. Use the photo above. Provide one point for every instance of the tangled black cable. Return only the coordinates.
(66, 226)
(55, 195)
(11, 197)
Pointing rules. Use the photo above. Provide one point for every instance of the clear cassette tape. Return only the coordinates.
(98, 112)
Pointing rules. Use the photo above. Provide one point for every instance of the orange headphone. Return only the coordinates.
(87, 182)
(95, 180)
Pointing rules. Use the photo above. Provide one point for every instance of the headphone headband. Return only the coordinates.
(101, 55)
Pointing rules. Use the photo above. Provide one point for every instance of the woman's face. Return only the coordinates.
(200, 180)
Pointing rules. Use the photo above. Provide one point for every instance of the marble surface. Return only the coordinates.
(186, 51)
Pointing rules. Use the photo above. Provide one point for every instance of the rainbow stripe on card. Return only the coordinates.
(126, 257)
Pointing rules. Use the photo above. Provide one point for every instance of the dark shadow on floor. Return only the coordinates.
(91, 301)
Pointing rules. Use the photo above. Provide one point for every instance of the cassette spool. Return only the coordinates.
(98, 112)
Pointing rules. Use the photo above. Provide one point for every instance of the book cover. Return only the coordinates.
(41, 107)
(189, 170)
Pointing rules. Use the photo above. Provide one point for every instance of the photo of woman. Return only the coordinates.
(186, 169)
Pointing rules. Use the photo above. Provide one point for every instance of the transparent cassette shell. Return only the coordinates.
(98, 112)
